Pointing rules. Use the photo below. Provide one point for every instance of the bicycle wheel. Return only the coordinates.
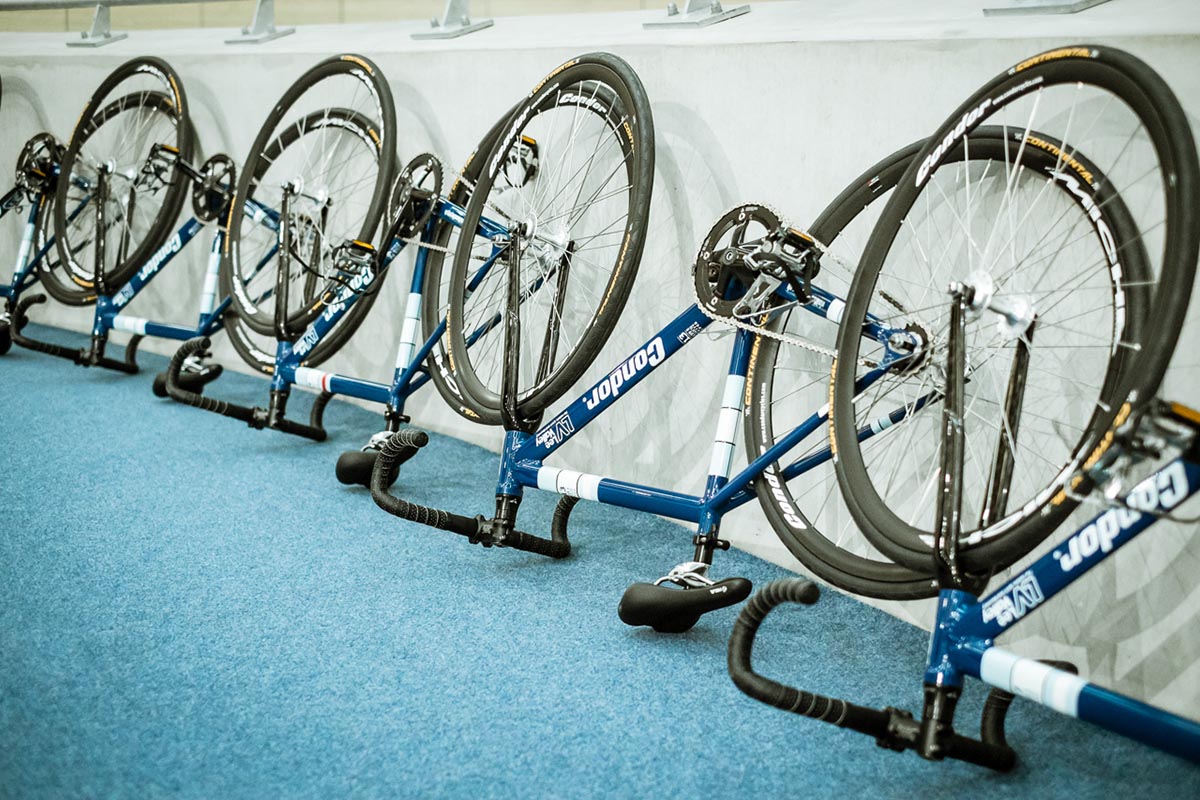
(140, 105)
(569, 182)
(1078, 251)
(260, 243)
(787, 382)
(328, 148)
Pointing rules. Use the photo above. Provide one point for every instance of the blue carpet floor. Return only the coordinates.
(190, 608)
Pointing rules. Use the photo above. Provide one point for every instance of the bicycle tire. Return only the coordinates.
(1147, 116)
(607, 91)
(836, 558)
(152, 92)
(261, 355)
(61, 283)
(362, 86)
(436, 285)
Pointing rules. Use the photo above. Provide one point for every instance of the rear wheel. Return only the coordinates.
(568, 184)
(435, 295)
(1080, 247)
(785, 383)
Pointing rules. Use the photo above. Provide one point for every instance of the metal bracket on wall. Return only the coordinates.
(1015, 7)
(101, 31)
(697, 14)
(262, 28)
(454, 23)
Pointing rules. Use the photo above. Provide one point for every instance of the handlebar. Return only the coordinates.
(892, 728)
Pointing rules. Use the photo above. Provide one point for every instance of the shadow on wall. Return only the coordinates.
(18, 92)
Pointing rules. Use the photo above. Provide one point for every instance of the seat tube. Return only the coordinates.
(411, 329)
(733, 403)
(26, 246)
(208, 298)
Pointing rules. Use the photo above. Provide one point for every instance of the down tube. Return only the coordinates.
(979, 624)
(613, 386)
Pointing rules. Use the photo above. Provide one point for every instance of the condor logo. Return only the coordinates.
(152, 266)
(781, 498)
(357, 284)
(1160, 492)
(558, 431)
(649, 356)
(1009, 606)
(572, 99)
(959, 130)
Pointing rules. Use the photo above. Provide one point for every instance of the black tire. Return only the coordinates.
(141, 104)
(55, 280)
(435, 294)
(256, 348)
(804, 512)
(1110, 117)
(799, 378)
(603, 103)
(346, 102)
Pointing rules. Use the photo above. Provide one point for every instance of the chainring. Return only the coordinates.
(211, 195)
(410, 204)
(722, 256)
(37, 164)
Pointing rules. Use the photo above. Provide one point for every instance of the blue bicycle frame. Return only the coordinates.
(410, 372)
(523, 455)
(108, 310)
(966, 627)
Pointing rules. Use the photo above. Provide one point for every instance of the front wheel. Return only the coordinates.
(135, 110)
(1066, 241)
(316, 179)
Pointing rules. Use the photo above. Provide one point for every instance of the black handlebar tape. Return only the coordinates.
(299, 429)
(536, 544)
(562, 514)
(392, 449)
(826, 709)
(999, 757)
(182, 395)
(316, 416)
(18, 322)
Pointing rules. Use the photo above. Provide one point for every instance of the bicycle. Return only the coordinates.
(213, 187)
(752, 270)
(1150, 264)
(597, 92)
(134, 127)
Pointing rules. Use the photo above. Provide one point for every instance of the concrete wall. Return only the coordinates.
(784, 106)
(305, 12)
